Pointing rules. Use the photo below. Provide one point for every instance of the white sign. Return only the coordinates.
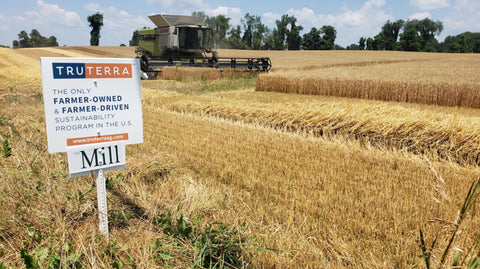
(91, 100)
(85, 160)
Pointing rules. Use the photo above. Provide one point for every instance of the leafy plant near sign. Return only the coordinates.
(44, 257)
(215, 246)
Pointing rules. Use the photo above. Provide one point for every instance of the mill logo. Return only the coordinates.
(91, 70)
(100, 157)
(107, 156)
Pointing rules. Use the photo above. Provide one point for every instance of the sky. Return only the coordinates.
(353, 19)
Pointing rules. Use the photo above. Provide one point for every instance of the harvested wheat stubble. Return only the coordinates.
(445, 136)
(321, 203)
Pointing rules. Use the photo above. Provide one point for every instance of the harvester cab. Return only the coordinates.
(186, 41)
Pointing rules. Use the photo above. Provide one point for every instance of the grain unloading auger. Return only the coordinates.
(185, 41)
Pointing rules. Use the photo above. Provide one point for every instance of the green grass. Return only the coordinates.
(199, 86)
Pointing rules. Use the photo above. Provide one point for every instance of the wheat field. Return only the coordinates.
(309, 181)
(445, 80)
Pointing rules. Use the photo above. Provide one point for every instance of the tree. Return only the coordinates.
(37, 39)
(362, 43)
(370, 44)
(24, 40)
(466, 42)
(134, 40)
(353, 47)
(220, 26)
(294, 40)
(269, 40)
(312, 39)
(234, 40)
(52, 42)
(329, 35)
(323, 39)
(34, 40)
(96, 22)
(287, 33)
(378, 42)
(390, 32)
(253, 32)
(410, 40)
(427, 30)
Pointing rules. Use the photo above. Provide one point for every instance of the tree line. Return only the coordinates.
(401, 35)
(35, 39)
(418, 35)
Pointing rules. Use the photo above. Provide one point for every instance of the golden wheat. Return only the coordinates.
(445, 82)
(307, 202)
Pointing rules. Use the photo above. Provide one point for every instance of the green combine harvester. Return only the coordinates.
(185, 41)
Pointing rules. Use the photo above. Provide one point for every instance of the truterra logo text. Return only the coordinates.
(91, 70)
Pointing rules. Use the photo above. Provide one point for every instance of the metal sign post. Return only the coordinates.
(102, 203)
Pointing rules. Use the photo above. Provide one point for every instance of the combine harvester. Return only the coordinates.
(185, 41)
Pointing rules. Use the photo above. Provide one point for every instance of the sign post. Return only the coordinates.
(102, 203)
(93, 109)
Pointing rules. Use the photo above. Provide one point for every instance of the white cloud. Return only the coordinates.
(93, 7)
(463, 17)
(18, 19)
(174, 5)
(429, 4)
(114, 19)
(118, 25)
(51, 14)
(420, 16)
(366, 21)
(269, 18)
(370, 14)
(3, 25)
(234, 13)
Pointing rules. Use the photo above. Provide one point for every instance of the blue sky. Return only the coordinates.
(67, 19)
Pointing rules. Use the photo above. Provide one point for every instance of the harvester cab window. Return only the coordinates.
(192, 38)
(147, 37)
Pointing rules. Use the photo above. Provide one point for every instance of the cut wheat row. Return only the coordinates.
(442, 135)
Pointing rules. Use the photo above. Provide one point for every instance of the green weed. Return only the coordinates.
(216, 246)
(6, 150)
(44, 257)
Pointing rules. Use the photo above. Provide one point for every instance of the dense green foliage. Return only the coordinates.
(96, 22)
(35, 39)
(418, 35)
